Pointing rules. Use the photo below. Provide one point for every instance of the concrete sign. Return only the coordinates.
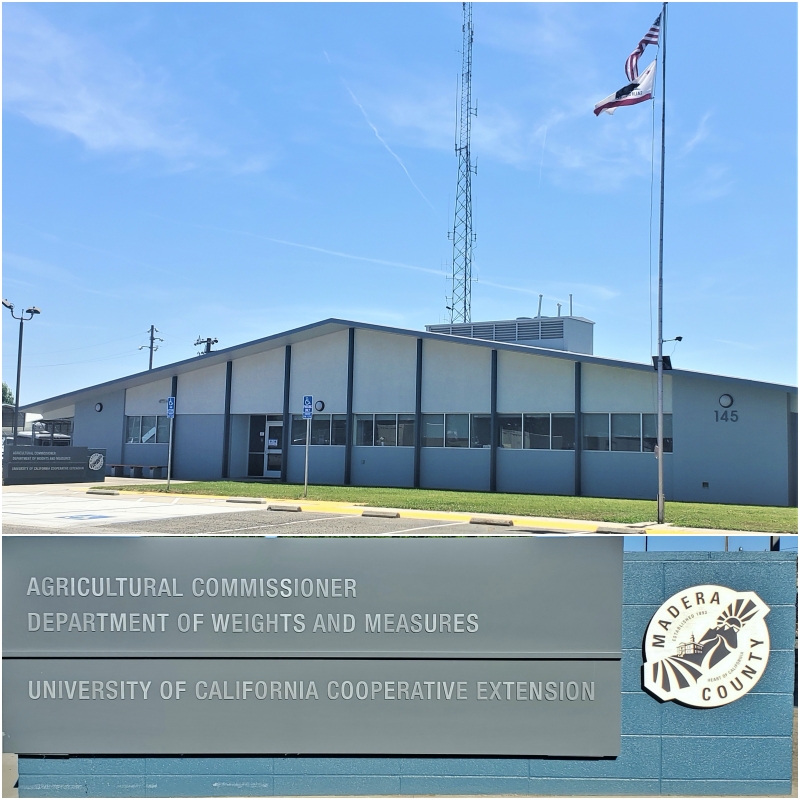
(706, 646)
(435, 646)
(25, 465)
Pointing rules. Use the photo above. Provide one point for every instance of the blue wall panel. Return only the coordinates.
(197, 452)
(739, 749)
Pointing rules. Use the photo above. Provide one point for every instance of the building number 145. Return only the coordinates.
(727, 416)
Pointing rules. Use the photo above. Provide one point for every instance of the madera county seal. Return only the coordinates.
(706, 646)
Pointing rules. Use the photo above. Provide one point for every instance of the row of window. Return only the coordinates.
(546, 431)
(146, 430)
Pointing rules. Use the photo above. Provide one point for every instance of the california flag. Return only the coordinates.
(639, 90)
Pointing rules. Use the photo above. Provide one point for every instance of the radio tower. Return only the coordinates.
(460, 307)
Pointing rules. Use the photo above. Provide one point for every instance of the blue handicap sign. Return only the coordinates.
(170, 407)
(308, 406)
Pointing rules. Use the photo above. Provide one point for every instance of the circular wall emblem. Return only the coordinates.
(96, 461)
(319, 405)
(706, 646)
(726, 400)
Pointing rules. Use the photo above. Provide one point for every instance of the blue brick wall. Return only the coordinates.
(740, 749)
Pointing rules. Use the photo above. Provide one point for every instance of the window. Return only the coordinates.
(456, 430)
(162, 430)
(510, 430)
(433, 430)
(363, 430)
(406, 425)
(321, 429)
(133, 430)
(298, 429)
(536, 432)
(385, 430)
(563, 431)
(481, 431)
(339, 429)
(650, 433)
(595, 431)
(626, 432)
(146, 430)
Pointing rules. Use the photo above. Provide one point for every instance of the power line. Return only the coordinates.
(86, 346)
(90, 361)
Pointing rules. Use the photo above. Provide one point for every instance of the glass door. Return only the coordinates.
(274, 448)
(255, 458)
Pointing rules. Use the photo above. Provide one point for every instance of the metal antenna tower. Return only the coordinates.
(460, 307)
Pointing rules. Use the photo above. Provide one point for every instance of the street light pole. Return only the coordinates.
(32, 311)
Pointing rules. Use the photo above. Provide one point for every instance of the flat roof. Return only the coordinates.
(334, 325)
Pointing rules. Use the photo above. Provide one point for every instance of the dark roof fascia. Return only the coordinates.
(333, 325)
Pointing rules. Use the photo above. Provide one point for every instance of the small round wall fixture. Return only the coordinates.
(726, 400)
(98, 406)
(319, 405)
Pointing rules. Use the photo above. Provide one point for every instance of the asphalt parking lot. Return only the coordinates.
(57, 510)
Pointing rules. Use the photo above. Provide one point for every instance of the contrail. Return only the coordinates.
(383, 142)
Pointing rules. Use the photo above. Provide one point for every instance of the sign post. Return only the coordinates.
(308, 409)
(171, 418)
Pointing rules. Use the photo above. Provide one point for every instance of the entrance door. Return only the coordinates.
(274, 447)
(265, 457)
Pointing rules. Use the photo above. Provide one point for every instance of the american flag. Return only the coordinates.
(651, 37)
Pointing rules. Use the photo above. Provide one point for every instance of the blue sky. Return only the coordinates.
(236, 170)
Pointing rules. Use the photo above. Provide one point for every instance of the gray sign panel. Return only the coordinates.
(25, 465)
(467, 707)
(384, 598)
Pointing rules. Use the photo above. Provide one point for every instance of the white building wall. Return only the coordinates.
(534, 383)
(622, 390)
(144, 399)
(202, 391)
(319, 368)
(455, 377)
(257, 383)
(385, 374)
(66, 412)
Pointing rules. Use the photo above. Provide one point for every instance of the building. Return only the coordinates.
(501, 406)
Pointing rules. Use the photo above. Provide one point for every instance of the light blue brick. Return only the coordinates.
(773, 581)
(632, 670)
(641, 714)
(54, 766)
(779, 674)
(727, 788)
(306, 785)
(117, 766)
(116, 785)
(635, 620)
(336, 766)
(53, 786)
(753, 715)
(475, 784)
(726, 758)
(209, 766)
(599, 786)
(496, 767)
(640, 757)
(208, 785)
(642, 583)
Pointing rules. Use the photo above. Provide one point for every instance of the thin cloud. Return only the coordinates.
(700, 135)
(80, 88)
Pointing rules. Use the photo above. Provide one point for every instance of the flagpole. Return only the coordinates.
(660, 361)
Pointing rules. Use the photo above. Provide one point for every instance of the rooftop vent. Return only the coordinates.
(573, 334)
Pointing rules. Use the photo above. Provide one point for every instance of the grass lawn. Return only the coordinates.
(769, 519)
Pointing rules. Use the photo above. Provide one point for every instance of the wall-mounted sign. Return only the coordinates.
(706, 646)
(416, 646)
(26, 465)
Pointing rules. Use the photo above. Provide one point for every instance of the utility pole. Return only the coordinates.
(31, 313)
(206, 343)
(152, 346)
(460, 307)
